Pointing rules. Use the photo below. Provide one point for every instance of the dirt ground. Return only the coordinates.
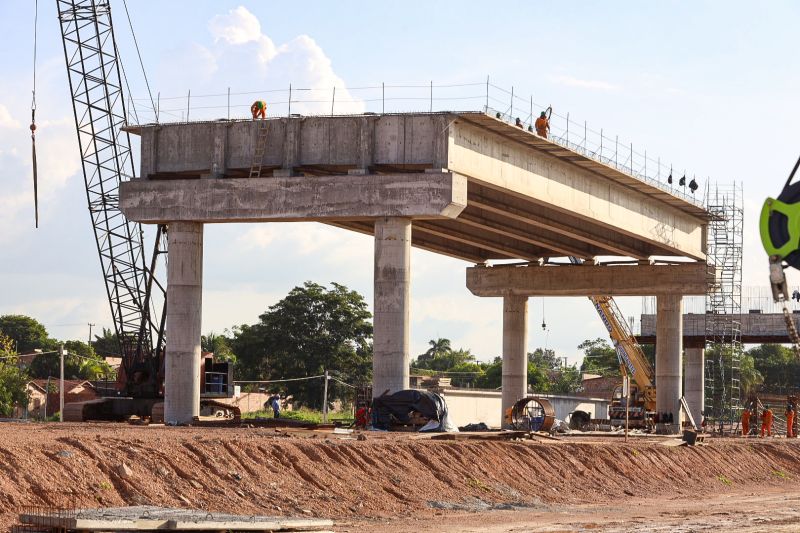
(392, 482)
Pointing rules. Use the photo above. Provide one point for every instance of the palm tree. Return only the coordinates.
(439, 348)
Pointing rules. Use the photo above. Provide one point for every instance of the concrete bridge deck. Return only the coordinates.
(466, 185)
(755, 328)
(500, 192)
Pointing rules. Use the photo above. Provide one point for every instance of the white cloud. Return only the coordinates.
(6, 120)
(570, 81)
(249, 61)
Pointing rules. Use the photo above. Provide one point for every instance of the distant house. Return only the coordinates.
(75, 390)
(599, 386)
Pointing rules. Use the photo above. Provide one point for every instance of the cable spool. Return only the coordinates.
(533, 414)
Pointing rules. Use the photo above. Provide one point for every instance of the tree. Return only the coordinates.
(750, 378)
(492, 378)
(599, 357)
(13, 381)
(310, 330)
(777, 365)
(79, 363)
(27, 333)
(439, 348)
(218, 345)
(545, 358)
(106, 343)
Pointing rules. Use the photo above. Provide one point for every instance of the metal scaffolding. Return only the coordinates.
(723, 401)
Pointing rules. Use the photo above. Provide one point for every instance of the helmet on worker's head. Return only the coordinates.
(543, 115)
(766, 406)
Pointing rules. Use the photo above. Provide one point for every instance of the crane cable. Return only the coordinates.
(33, 117)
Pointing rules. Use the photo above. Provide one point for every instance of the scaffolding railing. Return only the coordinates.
(723, 388)
(484, 96)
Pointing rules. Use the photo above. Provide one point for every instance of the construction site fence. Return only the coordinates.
(755, 299)
(504, 103)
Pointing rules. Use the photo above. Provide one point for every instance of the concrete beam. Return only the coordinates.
(390, 360)
(496, 161)
(515, 352)
(584, 280)
(669, 355)
(184, 314)
(319, 198)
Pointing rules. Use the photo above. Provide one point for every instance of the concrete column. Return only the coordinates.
(515, 350)
(695, 381)
(669, 351)
(184, 312)
(390, 361)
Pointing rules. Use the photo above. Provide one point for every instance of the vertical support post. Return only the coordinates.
(669, 354)
(46, 397)
(333, 99)
(695, 381)
(229, 103)
(511, 112)
(188, 104)
(567, 128)
(325, 399)
(431, 109)
(515, 356)
(184, 313)
(61, 353)
(390, 362)
(383, 98)
(158, 108)
(487, 95)
(289, 114)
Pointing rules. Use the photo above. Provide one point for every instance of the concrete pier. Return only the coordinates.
(695, 381)
(515, 351)
(669, 353)
(390, 362)
(184, 313)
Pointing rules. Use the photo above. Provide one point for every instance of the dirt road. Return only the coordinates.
(388, 477)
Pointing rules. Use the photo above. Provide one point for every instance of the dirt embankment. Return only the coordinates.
(259, 471)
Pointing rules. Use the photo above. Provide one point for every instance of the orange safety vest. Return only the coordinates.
(541, 124)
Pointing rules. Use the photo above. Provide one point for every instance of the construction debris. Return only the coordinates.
(151, 518)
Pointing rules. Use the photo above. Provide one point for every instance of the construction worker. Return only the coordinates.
(766, 421)
(746, 422)
(519, 123)
(259, 109)
(789, 421)
(542, 125)
(362, 416)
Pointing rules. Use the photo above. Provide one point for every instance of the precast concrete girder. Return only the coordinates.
(588, 280)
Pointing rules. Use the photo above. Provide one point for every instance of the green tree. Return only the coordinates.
(599, 357)
(492, 378)
(545, 358)
(750, 378)
(219, 346)
(777, 366)
(312, 329)
(27, 333)
(13, 381)
(439, 348)
(79, 363)
(106, 343)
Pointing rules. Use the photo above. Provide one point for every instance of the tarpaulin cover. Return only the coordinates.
(402, 403)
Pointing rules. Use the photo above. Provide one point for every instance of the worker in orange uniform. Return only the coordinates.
(746, 422)
(766, 421)
(789, 421)
(542, 125)
(259, 109)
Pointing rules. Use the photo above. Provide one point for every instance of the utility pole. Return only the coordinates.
(90, 334)
(325, 400)
(61, 353)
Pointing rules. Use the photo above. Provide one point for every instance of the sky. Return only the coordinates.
(710, 86)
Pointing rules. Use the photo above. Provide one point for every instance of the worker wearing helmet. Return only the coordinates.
(766, 421)
(789, 421)
(542, 125)
(259, 109)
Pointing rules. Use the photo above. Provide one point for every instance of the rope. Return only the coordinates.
(33, 117)
(283, 380)
(138, 53)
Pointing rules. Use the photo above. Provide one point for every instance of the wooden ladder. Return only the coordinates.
(260, 149)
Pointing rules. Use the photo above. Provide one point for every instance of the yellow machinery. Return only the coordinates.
(632, 362)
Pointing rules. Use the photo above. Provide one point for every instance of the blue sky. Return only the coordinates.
(710, 86)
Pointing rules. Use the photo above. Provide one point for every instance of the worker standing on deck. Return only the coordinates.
(789, 421)
(542, 125)
(766, 421)
(746, 422)
(259, 109)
